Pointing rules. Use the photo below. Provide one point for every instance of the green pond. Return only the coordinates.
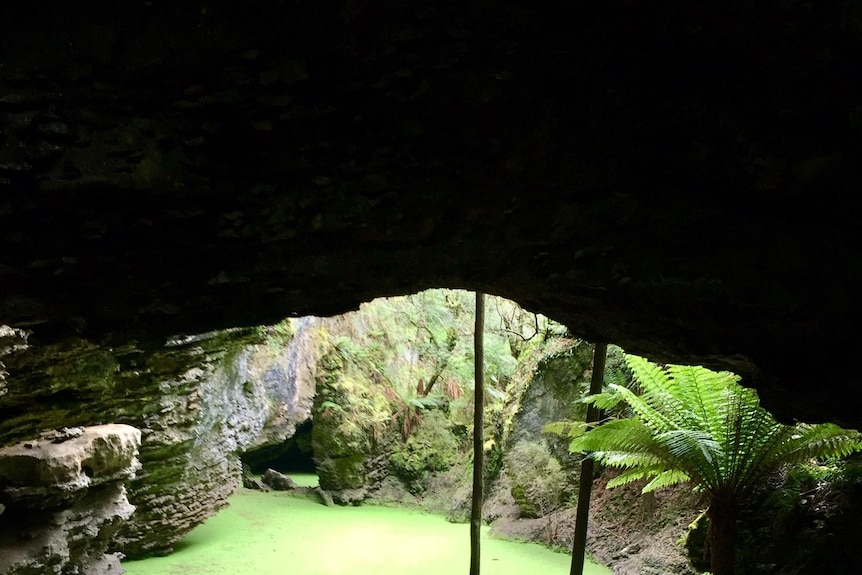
(276, 533)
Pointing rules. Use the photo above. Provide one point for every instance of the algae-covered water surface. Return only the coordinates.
(275, 533)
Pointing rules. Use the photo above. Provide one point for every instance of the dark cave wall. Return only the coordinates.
(673, 179)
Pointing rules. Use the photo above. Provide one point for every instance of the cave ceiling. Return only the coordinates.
(675, 179)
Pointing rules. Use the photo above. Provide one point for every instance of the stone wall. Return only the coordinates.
(556, 379)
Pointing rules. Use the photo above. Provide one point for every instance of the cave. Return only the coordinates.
(676, 180)
(294, 455)
(672, 180)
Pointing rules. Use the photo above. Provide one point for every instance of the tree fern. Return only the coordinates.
(693, 424)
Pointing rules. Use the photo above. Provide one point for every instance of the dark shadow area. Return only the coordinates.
(294, 455)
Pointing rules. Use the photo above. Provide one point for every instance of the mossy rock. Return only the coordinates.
(694, 542)
(519, 494)
(433, 447)
(337, 473)
(537, 480)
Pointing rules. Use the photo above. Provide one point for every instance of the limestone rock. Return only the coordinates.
(228, 396)
(62, 501)
(548, 388)
(199, 401)
(278, 481)
(48, 473)
(10, 340)
(254, 483)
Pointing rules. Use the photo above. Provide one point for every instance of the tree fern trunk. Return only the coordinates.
(721, 534)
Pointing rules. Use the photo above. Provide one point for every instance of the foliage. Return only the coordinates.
(794, 519)
(432, 447)
(537, 479)
(350, 416)
(692, 424)
(278, 335)
(795, 485)
(425, 340)
(358, 411)
(396, 362)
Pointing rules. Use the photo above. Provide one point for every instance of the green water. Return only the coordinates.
(304, 479)
(275, 533)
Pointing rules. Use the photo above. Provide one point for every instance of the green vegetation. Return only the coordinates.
(274, 533)
(538, 481)
(394, 404)
(432, 447)
(279, 335)
(692, 424)
(305, 479)
(395, 385)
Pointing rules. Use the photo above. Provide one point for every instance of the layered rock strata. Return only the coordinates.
(62, 498)
(199, 401)
(230, 399)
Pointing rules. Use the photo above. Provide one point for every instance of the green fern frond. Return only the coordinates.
(605, 401)
(809, 441)
(647, 375)
(634, 475)
(666, 478)
(653, 417)
(623, 460)
(691, 423)
(568, 429)
(690, 442)
(617, 435)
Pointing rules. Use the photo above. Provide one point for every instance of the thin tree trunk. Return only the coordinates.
(478, 440)
(721, 534)
(579, 545)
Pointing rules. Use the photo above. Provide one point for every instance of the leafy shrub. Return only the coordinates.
(538, 481)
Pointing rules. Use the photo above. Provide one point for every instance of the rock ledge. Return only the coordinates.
(62, 497)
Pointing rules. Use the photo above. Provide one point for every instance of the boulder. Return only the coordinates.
(278, 481)
(63, 497)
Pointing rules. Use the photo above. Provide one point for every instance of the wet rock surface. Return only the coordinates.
(63, 498)
(223, 404)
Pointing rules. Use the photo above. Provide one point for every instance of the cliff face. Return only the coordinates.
(673, 179)
(194, 427)
(199, 402)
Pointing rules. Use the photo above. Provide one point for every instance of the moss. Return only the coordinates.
(337, 473)
(433, 447)
(279, 335)
(350, 416)
(694, 542)
(537, 479)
